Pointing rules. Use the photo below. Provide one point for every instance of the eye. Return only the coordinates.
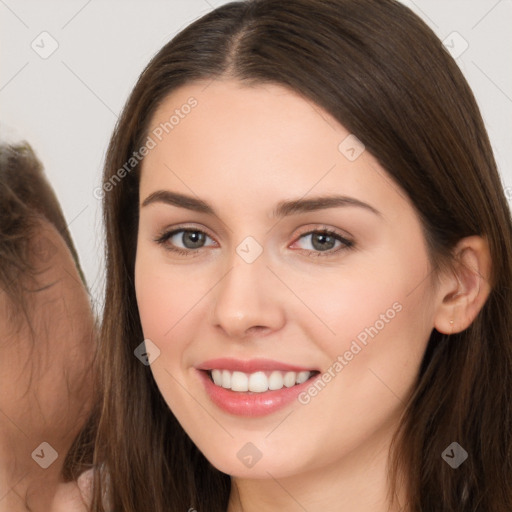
(188, 242)
(184, 241)
(324, 242)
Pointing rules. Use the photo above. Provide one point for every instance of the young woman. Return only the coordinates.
(306, 228)
(47, 337)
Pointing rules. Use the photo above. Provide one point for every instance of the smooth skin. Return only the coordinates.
(45, 377)
(243, 150)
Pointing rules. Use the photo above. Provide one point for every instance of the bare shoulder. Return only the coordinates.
(74, 496)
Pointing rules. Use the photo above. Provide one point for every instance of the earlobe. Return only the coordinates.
(464, 292)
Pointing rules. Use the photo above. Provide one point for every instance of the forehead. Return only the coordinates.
(239, 121)
(222, 138)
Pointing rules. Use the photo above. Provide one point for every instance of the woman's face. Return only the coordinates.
(237, 191)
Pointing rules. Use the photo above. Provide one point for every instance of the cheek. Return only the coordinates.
(157, 294)
(167, 297)
(345, 303)
(162, 299)
(377, 320)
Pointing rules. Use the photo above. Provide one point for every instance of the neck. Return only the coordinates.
(356, 483)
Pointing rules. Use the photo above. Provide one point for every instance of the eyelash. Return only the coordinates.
(163, 238)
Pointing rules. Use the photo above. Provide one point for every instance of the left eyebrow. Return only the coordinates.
(282, 209)
(295, 206)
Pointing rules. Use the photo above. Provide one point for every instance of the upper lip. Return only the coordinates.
(249, 366)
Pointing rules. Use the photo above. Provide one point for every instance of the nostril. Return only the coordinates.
(256, 329)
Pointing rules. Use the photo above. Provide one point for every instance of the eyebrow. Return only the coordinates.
(282, 209)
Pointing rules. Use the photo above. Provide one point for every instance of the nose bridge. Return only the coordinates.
(246, 295)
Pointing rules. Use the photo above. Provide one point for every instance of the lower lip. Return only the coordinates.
(251, 403)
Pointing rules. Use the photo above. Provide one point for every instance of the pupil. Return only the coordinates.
(192, 239)
(322, 241)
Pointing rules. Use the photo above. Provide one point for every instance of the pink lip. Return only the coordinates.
(251, 366)
(250, 403)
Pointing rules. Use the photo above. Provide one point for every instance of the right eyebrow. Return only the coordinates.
(179, 200)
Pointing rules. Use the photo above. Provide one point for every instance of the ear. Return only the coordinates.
(465, 289)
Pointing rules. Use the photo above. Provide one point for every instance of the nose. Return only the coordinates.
(248, 301)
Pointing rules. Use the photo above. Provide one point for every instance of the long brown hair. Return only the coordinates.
(382, 73)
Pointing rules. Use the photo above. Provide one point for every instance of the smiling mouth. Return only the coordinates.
(260, 381)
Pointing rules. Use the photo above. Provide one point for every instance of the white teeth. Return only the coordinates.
(239, 381)
(226, 379)
(289, 379)
(258, 382)
(217, 377)
(275, 381)
(302, 377)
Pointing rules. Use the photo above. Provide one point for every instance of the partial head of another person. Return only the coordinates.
(48, 332)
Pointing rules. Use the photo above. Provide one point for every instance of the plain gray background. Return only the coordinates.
(66, 104)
